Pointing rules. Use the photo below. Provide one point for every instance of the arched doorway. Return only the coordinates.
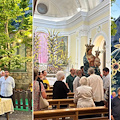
(100, 44)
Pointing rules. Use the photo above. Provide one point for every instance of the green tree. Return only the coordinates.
(15, 29)
(113, 25)
(112, 1)
(36, 49)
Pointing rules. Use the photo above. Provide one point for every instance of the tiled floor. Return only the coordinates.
(18, 115)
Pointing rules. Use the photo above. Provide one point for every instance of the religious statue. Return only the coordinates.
(90, 60)
(97, 59)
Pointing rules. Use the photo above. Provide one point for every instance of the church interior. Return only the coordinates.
(64, 32)
(78, 21)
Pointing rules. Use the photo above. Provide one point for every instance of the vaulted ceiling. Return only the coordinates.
(65, 8)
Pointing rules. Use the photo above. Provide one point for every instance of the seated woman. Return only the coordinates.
(36, 89)
(60, 89)
(83, 95)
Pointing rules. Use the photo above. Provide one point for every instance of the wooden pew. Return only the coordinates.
(59, 102)
(49, 91)
(69, 95)
(71, 112)
(51, 87)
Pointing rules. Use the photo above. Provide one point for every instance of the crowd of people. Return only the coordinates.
(88, 91)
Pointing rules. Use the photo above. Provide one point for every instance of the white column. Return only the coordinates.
(76, 59)
(78, 52)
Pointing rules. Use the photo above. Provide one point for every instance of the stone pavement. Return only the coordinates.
(18, 115)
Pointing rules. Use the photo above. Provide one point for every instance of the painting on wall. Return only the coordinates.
(50, 54)
(64, 39)
(58, 55)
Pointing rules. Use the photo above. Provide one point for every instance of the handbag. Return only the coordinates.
(43, 104)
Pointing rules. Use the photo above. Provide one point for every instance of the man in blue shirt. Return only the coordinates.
(7, 84)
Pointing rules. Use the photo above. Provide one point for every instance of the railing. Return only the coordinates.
(22, 99)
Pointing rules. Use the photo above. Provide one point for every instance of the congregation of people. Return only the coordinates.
(88, 91)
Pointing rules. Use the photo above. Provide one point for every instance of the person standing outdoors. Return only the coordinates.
(70, 79)
(7, 84)
(2, 73)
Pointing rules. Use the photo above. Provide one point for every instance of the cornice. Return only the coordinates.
(79, 17)
(99, 10)
(76, 19)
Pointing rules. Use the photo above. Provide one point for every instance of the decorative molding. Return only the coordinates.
(72, 21)
(38, 29)
(79, 17)
(104, 20)
(100, 9)
(83, 33)
(99, 28)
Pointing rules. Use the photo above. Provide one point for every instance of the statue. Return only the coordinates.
(97, 59)
(90, 60)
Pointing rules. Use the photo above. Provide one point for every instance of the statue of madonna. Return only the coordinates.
(89, 60)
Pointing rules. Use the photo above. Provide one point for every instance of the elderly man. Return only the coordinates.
(7, 84)
(96, 83)
(2, 73)
(70, 79)
(76, 80)
(116, 106)
(106, 78)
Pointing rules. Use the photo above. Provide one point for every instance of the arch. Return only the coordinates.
(108, 47)
(38, 29)
(102, 34)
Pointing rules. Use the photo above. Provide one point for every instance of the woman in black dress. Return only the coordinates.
(60, 89)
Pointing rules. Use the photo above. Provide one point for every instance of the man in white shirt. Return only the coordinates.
(76, 80)
(96, 83)
(106, 78)
(7, 84)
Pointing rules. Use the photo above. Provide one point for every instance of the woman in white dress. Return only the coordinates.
(84, 95)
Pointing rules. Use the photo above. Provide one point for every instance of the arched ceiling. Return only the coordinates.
(66, 8)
